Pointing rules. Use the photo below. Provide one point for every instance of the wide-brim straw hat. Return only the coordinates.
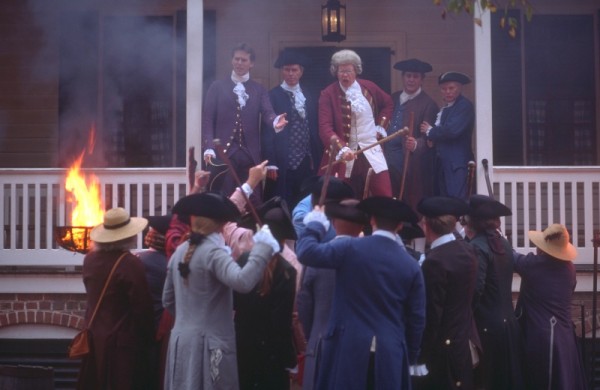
(117, 226)
(554, 241)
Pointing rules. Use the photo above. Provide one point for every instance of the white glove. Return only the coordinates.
(418, 370)
(381, 130)
(265, 236)
(342, 151)
(317, 216)
(209, 152)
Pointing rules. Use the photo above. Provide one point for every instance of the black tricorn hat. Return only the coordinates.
(454, 76)
(390, 208)
(413, 65)
(275, 213)
(435, 206)
(347, 210)
(410, 231)
(207, 204)
(482, 206)
(290, 57)
(160, 223)
(336, 189)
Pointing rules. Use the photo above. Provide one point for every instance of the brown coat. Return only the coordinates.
(123, 327)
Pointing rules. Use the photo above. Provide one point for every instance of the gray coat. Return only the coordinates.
(202, 352)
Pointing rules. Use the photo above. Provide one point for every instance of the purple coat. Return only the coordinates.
(218, 115)
(544, 311)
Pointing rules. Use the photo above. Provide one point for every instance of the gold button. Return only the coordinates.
(485, 329)
(448, 342)
(505, 320)
(347, 134)
(458, 383)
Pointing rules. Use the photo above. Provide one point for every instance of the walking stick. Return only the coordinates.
(192, 165)
(223, 156)
(367, 183)
(411, 123)
(400, 132)
(327, 176)
(470, 176)
(484, 162)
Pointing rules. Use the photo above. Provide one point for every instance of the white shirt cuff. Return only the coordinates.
(209, 152)
(275, 123)
(418, 370)
(247, 189)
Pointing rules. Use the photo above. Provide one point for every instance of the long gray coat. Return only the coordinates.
(202, 352)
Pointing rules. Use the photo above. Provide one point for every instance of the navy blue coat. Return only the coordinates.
(452, 140)
(379, 291)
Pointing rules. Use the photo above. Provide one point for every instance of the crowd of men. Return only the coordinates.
(329, 293)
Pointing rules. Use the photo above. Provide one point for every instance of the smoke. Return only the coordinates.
(115, 72)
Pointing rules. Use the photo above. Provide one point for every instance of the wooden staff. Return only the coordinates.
(327, 176)
(484, 162)
(192, 165)
(223, 156)
(411, 123)
(470, 176)
(402, 131)
(367, 183)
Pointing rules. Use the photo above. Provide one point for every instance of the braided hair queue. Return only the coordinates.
(184, 267)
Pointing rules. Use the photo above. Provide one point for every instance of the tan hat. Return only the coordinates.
(555, 242)
(117, 226)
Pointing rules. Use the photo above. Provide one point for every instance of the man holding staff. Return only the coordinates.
(352, 113)
(410, 159)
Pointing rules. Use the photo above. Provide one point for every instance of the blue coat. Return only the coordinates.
(379, 292)
(452, 140)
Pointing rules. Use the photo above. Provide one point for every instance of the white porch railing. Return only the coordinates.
(540, 196)
(34, 202)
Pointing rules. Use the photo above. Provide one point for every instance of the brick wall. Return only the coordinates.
(48, 309)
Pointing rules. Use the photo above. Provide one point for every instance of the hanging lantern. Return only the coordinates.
(333, 21)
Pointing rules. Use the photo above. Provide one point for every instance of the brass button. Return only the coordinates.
(485, 329)
(505, 320)
(458, 383)
(448, 342)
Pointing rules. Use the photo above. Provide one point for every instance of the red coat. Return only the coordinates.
(123, 328)
(332, 103)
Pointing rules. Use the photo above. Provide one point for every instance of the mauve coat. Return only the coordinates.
(218, 115)
(544, 310)
(203, 310)
(123, 328)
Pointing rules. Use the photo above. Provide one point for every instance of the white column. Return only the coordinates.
(483, 99)
(194, 74)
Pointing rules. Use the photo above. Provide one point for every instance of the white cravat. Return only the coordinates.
(239, 88)
(355, 96)
(299, 98)
(404, 97)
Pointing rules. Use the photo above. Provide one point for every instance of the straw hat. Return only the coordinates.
(117, 226)
(555, 242)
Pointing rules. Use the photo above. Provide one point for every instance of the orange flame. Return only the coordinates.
(88, 208)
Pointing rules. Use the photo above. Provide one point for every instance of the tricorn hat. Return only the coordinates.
(413, 65)
(454, 76)
(383, 206)
(410, 231)
(290, 57)
(347, 210)
(117, 226)
(485, 207)
(336, 189)
(160, 223)
(275, 213)
(435, 206)
(207, 204)
(554, 241)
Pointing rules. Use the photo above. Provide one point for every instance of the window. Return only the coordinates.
(544, 92)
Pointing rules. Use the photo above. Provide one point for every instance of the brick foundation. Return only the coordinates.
(65, 310)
